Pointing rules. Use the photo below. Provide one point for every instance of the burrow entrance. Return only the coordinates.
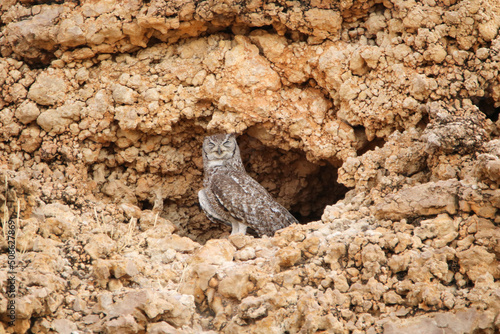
(488, 108)
(302, 186)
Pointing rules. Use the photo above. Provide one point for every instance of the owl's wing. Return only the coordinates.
(246, 200)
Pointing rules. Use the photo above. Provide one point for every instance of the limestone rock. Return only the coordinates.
(27, 112)
(100, 246)
(57, 120)
(215, 252)
(64, 326)
(473, 269)
(123, 324)
(422, 200)
(460, 322)
(30, 139)
(179, 244)
(324, 22)
(124, 95)
(162, 328)
(443, 228)
(288, 256)
(48, 89)
(236, 284)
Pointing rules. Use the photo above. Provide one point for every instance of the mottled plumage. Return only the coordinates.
(230, 196)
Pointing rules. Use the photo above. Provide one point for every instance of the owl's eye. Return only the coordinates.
(211, 145)
(227, 144)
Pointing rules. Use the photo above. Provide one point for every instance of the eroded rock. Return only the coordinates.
(104, 106)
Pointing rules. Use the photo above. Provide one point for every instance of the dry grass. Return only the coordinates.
(185, 267)
(99, 223)
(126, 239)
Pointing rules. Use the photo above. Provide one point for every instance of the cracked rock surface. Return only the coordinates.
(375, 122)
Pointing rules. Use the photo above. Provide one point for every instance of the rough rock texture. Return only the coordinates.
(375, 122)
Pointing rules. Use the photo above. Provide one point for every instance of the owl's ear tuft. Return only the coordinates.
(230, 136)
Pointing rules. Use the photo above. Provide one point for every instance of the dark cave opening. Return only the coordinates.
(146, 205)
(487, 107)
(324, 190)
(303, 187)
(371, 145)
(363, 144)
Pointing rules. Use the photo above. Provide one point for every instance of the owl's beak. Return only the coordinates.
(219, 150)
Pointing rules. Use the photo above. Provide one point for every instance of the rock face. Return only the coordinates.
(376, 123)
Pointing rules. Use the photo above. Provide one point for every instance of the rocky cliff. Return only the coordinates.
(375, 122)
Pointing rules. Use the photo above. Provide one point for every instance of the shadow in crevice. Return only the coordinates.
(371, 145)
(322, 190)
(364, 145)
(487, 107)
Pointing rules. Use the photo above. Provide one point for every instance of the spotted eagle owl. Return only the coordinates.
(230, 196)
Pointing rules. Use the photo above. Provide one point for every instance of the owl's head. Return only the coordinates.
(221, 150)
